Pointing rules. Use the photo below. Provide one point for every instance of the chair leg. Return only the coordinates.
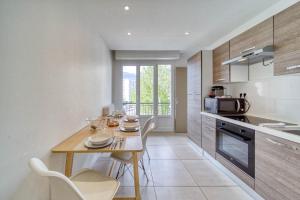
(111, 168)
(119, 169)
(128, 169)
(147, 154)
(143, 167)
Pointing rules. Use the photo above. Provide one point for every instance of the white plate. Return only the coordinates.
(99, 139)
(127, 125)
(88, 144)
(129, 130)
(130, 121)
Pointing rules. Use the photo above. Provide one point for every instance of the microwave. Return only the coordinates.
(225, 106)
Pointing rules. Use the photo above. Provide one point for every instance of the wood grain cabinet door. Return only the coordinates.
(277, 167)
(221, 72)
(287, 41)
(257, 37)
(209, 135)
(194, 118)
(194, 74)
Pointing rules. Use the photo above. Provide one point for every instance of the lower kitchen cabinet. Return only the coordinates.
(277, 167)
(194, 118)
(209, 135)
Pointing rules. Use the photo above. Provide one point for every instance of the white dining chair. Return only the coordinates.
(125, 158)
(144, 129)
(84, 185)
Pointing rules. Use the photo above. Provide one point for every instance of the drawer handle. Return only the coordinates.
(274, 142)
(293, 67)
(221, 79)
(249, 49)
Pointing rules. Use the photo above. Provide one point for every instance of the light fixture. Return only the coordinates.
(186, 33)
(129, 33)
(126, 8)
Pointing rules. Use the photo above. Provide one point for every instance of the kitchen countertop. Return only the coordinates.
(270, 131)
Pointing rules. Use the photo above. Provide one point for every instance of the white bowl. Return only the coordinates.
(131, 117)
(99, 139)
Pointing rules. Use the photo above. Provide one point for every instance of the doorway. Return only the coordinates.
(181, 100)
(148, 90)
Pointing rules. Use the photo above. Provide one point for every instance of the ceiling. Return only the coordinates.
(161, 24)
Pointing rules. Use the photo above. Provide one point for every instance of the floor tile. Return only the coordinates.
(222, 193)
(176, 139)
(156, 140)
(127, 178)
(206, 174)
(147, 193)
(187, 152)
(179, 193)
(170, 173)
(161, 152)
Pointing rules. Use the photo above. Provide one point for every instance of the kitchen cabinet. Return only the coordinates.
(287, 41)
(221, 72)
(256, 37)
(209, 135)
(194, 65)
(194, 118)
(277, 167)
(194, 98)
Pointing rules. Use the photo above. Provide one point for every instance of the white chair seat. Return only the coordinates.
(122, 156)
(94, 186)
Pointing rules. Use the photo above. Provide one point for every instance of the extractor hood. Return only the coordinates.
(252, 56)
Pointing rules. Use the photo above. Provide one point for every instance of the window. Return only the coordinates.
(164, 89)
(129, 89)
(147, 90)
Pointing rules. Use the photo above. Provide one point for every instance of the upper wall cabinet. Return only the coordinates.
(194, 74)
(221, 72)
(257, 37)
(287, 41)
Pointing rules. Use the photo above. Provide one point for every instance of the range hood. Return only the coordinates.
(252, 56)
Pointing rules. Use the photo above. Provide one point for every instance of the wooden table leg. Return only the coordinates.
(69, 164)
(136, 176)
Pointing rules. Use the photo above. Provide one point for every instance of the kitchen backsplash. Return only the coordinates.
(275, 97)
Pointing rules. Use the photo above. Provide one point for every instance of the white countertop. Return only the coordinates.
(277, 133)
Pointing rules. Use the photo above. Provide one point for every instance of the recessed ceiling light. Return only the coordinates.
(126, 8)
(129, 33)
(186, 33)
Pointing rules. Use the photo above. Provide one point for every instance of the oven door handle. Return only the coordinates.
(234, 135)
(238, 105)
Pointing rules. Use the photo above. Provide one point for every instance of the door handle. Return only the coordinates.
(249, 49)
(274, 142)
(293, 67)
(238, 105)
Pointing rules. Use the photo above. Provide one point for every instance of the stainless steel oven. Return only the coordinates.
(236, 144)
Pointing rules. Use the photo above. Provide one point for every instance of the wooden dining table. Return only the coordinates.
(131, 142)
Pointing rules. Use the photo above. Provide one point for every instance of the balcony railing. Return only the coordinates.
(147, 108)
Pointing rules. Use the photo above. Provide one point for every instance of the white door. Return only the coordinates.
(148, 90)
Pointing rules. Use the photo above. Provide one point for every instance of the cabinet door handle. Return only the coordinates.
(293, 67)
(274, 142)
(245, 50)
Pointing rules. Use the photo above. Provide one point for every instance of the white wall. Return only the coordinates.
(55, 71)
(275, 97)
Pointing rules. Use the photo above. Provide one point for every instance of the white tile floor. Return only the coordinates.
(177, 170)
